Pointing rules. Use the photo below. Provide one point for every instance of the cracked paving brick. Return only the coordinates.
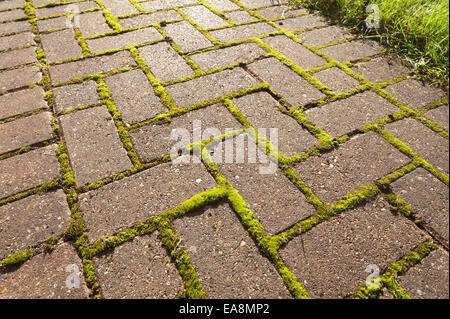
(428, 197)
(60, 45)
(222, 5)
(164, 4)
(139, 269)
(330, 259)
(19, 78)
(44, 277)
(32, 220)
(11, 15)
(381, 69)
(242, 32)
(429, 279)
(25, 131)
(239, 17)
(16, 26)
(422, 140)
(204, 17)
(344, 116)
(134, 96)
(17, 57)
(93, 144)
(291, 86)
(120, 7)
(337, 80)
(21, 102)
(16, 41)
(146, 19)
(324, 36)
(361, 160)
(68, 97)
(301, 23)
(209, 87)
(65, 8)
(440, 116)
(225, 257)
(155, 140)
(276, 12)
(352, 51)
(134, 199)
(187, 37)
(26, 171)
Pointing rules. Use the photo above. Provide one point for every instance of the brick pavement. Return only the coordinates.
(92, 207)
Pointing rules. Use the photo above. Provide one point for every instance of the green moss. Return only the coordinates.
(16, 258)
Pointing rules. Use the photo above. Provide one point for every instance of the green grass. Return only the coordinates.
(415, 29)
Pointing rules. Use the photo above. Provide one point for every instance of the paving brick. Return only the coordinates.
(72, 96)
(284, 81)
(124, 203)
(95, 150)
(154, 141)
(344, 116)
(146, 19)
(187, 37)
(262, 111)
(92, 23)
(18, 78)
(164, 62)
(32, 220)
(277, 12)
(134, 96)
(138, 269)
(337, 80)
(16, 41)
(429, 145)
(222, 5)
(10, 4)
(381, 69)
(259, 3)
(429, 279)
(352, 51)
(97, 65)
(17, 57)
(26, 171)
(17, 26)
(440, 116)
(301, 23)
(428, 197)
(205, 18)
(44, 277)
(225, 257)
(61, 45)
(209, 87)
(53, 23)
(65, 8)
(324, 35)
(242, 32)
(360, 161)
(240, 17)
(120, 7)
(227, 56)
(336, 253)
(123, 40)
(296, 52)
(25, 131)
(21, 102)
(11, 15)
(414, 93)
(164, 4)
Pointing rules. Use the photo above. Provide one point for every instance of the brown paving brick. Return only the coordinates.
(429, 145)
(75, 95)
(11, 15)
(324, 36)
(102, 64)
(53, 23)
(227, 56)
(352, 51)
(21, 102)
(187, 37)
(134, 96)
(138, 269)
(65, 8)
(337, 80)
(19, 77)
(153, 141)
(29, 170)
(209, 87)
(440, 116)
(381, 69)
(123, 40)
(92, 23)
(276, 12)
(428, 197)
(429, 279)
(10, 4)
(124, 203)
(17, 57)
(95, 150)
(61, 45)
(222, 5)
(414, 93)
(225, 257)
(164, 62)
(146, 19)
(204, 17)
(295, 52)
(330, 260)
(275, 201)
(25, 131)
(164, 4)
(360, 161)
(242, 32)
(17, 26)
(31, 221)
(344, 116)
(262, 111)
(119, 7)
(301, 23)
(16, 41)
(284, 81)
(240, 17)
(44, 277)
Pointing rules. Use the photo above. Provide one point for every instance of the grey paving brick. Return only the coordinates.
(222, 5)
(324, 35)
(21, 102)
(440, 116)
(16, 41)
(204, 17)
(92, 23)
(337, 80)
(65, 8)
(95, 150)
(239, 17)
(352, 51)
(120, 7)
(10, 4)
(242, 32)
(301, 23)
(187, 37)
(146, 19)
(53, 23)
(17, 57)
(277, 12)
(75, 95)
(164, 4)
(16, 26)
(18, 78)
(259, 3)
(11, 15)
(360, 161)
(381, 69)
(61, 45)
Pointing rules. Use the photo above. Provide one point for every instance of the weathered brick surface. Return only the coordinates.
(92, 23)
(65, 8)
(187, 37)
(60, 45)
(380, 69)
(301, 23)
(324, 36)
(239, 17)
(337, 80)
(16, 41)
(11, 4)
(21, 102)
(276, 12)
(119, 7)
(19, 78)
(75, 95)
(242, 32)
(17, 57)
(352, 51)
(15, 26)
(164, 4)
(223, 5)
(440, 116)
(11, 15)
(146, 19)
(204, 17)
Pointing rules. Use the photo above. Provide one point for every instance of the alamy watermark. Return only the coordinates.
(373, 19)
(73, 279)
(373, 281)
